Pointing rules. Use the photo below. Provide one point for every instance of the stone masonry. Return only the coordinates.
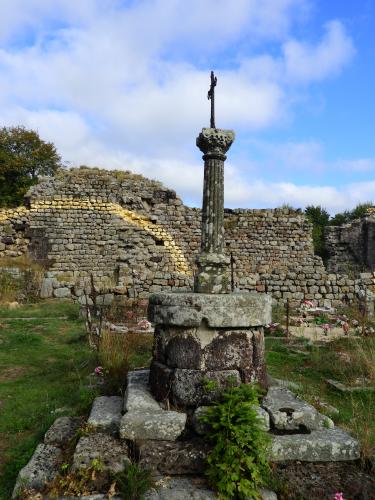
(136, 236)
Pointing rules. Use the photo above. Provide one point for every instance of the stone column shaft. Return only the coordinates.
(213, 206)
(213, 265)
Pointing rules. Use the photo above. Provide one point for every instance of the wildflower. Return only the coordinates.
(338, 496)
(144, 324)
(129, 314)
(99, 371)
(355, 322)
(345, 327)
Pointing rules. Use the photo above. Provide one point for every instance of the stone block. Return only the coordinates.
(61, 293)
(219, 311)
(112, 453)
(42, 467)
(184, 351)
(150, 424)
(325, 445)
(61, 431)
(288, 412)
(229, 350)
(137, 395)
(173, 458)
(180, 488)
(46, 289)
(106, 414)
(188, 387)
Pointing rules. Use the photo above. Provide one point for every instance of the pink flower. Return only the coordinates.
(326, 326)
(345, 327)
(99, 371)
(144, 324)
(338, 496)
(129, 314)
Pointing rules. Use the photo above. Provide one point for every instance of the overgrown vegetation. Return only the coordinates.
(24, 157)
(237, 465)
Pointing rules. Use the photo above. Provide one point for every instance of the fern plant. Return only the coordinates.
(237, 466)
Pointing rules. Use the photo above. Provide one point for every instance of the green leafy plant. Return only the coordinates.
(237, 465)
(133, 482)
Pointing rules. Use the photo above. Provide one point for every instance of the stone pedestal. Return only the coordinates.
(205, 342)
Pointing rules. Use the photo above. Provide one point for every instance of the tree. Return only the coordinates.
(319, 218)
(24, 156)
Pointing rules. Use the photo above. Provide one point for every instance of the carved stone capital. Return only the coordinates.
(215, 142)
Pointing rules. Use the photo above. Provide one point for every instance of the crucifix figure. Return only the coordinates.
(211, 95)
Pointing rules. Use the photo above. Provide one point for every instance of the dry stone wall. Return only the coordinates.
(135, 237)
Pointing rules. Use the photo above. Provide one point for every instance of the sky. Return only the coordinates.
(123, 84)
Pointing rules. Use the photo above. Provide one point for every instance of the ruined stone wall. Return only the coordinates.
(351, 247)
(135, 236)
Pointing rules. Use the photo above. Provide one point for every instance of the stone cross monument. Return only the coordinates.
(209, 334)
(213, 266)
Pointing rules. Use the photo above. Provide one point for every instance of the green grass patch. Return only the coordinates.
(44, 363)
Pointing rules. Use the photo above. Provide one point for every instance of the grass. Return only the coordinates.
(44, 362)
(343, 360)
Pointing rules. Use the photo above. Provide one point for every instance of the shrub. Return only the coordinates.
(237, 465)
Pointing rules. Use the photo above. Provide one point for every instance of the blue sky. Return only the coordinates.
(123, 84)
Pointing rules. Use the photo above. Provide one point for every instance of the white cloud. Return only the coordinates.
(123, 85)
(305, 62)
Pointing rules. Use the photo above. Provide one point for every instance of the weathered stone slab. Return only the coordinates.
(180, 488)
(345, 388)
(106, 414)
(112, 453)
(288, 412)
(219, 311)
(63, 429)
(151, 424)
(173, 458)
(42, 467)
(189, 386)
(138, 396)
(326, 445)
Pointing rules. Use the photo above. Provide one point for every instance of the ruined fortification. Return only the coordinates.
(135, 237)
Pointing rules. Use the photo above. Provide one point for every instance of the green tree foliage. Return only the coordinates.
(237, 465)
(319, 218)
(23, 158)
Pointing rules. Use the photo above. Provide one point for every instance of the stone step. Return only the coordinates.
(106, 414)
(326, 445)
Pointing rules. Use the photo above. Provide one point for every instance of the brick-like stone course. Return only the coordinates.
(135, 235)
